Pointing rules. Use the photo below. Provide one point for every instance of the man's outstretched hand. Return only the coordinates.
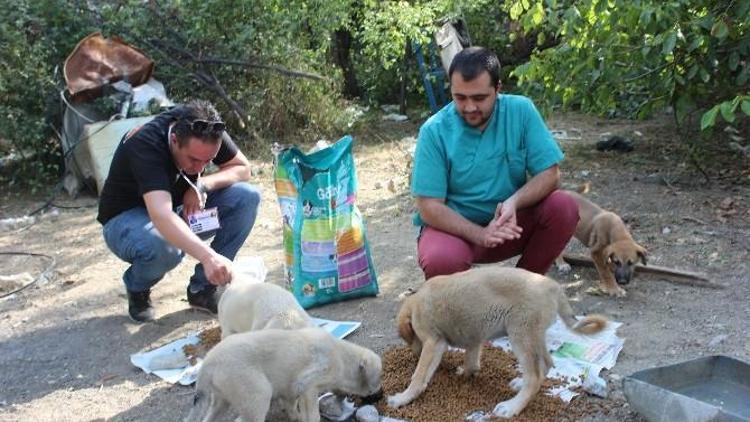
(218, 269)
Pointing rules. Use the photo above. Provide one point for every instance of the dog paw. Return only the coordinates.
(564, 268)
(616, 291)
(506, 409)
(516, 384)
(397, 400)
(461, 371)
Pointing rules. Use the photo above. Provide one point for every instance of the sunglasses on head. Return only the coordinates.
(205, 127)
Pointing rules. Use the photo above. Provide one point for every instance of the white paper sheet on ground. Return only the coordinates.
(578, 359)
(169, 363)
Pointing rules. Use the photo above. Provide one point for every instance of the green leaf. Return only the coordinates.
(515, 11)
(697, 41)
(692, 71)
(645, 18)
(668, 46)
(683, 105)
(720, 30)
(705, 76)
(745, 106)
(742, 78)
(706, 22)
(734, 60)
(709, 118)
(538, 14)
(540, 38)
(742, 9)
(727, 111)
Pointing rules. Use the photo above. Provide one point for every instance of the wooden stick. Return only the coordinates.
(679, 276)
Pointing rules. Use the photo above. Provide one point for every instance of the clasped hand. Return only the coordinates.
(502, 228)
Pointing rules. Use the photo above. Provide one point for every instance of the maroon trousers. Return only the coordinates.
(547, 228)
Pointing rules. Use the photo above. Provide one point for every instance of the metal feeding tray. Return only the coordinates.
(713, 388)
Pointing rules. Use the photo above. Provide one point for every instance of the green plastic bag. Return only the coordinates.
(327, 257)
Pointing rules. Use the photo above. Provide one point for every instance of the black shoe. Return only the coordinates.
(205, 299)
(139, 306)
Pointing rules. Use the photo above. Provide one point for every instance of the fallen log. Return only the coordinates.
(671, 274)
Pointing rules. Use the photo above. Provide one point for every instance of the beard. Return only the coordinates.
(476, 119)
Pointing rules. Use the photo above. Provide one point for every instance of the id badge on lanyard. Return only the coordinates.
(205, 219)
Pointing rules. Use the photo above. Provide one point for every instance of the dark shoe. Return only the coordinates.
(205, 299)
(139, 306)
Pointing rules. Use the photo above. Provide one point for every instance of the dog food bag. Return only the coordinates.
(327, 258)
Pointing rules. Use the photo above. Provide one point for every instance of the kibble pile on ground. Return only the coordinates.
(209, 338)
(450, 397)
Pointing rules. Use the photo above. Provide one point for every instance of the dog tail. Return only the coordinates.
(403, 320)
(583, 188)
(591, 324)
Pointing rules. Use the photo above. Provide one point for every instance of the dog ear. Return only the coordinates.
(642, 252)
(593, 242)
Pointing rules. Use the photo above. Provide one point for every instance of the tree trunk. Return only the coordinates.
(342, 42)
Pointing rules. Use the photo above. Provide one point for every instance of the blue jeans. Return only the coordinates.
(133, 238)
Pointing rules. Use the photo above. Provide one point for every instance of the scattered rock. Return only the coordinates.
(392, 186)
(14, 223)
(14, 282)
(717, 340)
(367, 414)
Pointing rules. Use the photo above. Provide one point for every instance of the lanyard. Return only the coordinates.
(198, 191)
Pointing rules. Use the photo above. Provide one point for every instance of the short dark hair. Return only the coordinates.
(471, 62)
(197, 110)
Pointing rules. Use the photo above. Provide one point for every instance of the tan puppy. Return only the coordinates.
(249, 306)
(246, 371)
(613, 249)
(468, 308)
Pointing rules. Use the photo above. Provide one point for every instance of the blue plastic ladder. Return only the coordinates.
(433, 76)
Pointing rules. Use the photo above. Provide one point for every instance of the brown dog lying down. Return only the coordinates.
(467, 309)
(613, 249)
(246, 371)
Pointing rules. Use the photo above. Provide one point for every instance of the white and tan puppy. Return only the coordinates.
(467, 309)
(250, 306)
(246, 371)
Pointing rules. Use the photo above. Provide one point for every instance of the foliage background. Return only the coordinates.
(608, 57)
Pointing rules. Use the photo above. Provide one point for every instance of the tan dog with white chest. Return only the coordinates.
(612, 248)
(246, 371)
(467, 309)
(248, 306)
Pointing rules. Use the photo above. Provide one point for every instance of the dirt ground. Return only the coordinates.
(65, 342)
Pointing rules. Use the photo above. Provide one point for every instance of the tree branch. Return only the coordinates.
(276, 68)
